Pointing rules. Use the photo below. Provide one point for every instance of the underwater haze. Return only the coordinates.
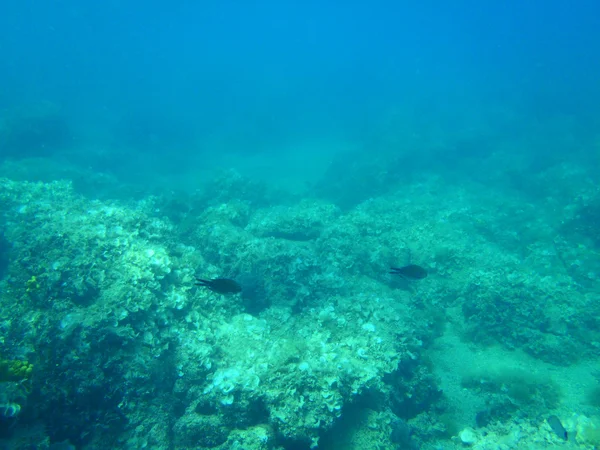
(188, 87)
(299, 225)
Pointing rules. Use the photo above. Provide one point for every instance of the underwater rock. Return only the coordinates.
(468, 436)
(588, 431)
(193, 430)
(483, 418)
(5, 247)
(401, 434)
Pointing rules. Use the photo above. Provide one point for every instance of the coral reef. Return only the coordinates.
(322, 348)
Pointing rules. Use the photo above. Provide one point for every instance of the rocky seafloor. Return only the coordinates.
(107, 342)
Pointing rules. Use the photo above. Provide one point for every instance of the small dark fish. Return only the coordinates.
(411, 272)
(557, 427)
(220, 285)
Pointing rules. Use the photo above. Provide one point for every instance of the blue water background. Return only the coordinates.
(171, 87)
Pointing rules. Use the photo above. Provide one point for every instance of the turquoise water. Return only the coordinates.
(299, 151)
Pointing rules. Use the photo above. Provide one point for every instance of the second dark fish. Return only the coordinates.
(558, 427)
(220, 285)
(410, 272)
